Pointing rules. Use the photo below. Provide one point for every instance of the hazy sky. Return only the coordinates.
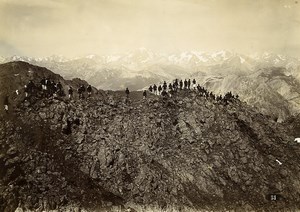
(80, 27)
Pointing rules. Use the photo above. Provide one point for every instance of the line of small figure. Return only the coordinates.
(48, 88)
(51, 88)
(170, 89)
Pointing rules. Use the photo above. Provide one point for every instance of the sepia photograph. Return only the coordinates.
(149, 105)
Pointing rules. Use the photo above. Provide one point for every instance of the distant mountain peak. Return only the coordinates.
(91, 56)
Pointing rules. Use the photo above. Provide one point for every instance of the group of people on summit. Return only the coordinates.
(49, 88)
(170, 89)
(81, 91)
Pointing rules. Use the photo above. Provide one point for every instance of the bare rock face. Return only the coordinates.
(184, 151)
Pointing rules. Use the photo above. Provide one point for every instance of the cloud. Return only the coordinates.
(7, 49)
(31, 3)
(71, 28)
(19, 16)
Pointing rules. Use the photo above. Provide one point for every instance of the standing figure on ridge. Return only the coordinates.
(189, 84)
(185, 84)
(79, 91)
(43, 83)
(54, 88)
(155, 89)
(144, 94)
(48, 86)
(175, 85)
(89, 90)
(6, 102)
(127, 93)
(70, 92)
(26, 91)
(159, 89)
(46, 81)
(180, 84)
(164, 94)
(199, 88)
(59, 86)
(60, 89)
(150, 88)
(30, 86)
(82, 91)
(170, 87)
(165, 85)
(194, 84)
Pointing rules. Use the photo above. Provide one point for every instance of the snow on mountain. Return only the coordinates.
(2, 59)
(191, 58)
(53, 58)
(112, 58)
(242, 60)
(188, 58)
(223, 55)
(138, 56)
(57, 58)
(91, 56)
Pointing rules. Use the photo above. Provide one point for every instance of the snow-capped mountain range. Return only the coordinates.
(268, 81)
(147, 64)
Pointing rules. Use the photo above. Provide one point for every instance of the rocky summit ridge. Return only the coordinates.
(184, 152)
(268, 81)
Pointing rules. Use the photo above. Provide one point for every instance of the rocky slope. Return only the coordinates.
(185, 152)
(271, 90)
(293, 125)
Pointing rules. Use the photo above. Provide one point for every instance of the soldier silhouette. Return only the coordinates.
(6, 102)
(159, 89)
(127, 92)
(194, 84)
(170, 87)
(165, 85)
(180, 84)
(89, 90)
(150, 88)
(155, 89)
(70, 92)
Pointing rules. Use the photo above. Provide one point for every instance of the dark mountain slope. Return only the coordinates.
(15, 75)
(187, 152)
